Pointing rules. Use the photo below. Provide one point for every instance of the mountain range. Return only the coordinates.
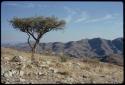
(96, 47)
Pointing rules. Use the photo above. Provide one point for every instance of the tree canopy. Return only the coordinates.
(39, 25)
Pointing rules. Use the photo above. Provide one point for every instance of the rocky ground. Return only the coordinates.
(16, 69)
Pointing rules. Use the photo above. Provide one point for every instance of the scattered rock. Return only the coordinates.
(55, 70)
(102, 76)
(17, 59)
(58, 82)
(78, 64)
(22, 80)
(21, 73)
(48, 62)
(63, 73)
(8, 74)
(42, 73)
(44, 66)
(14, 72)
(69, 80)
(3, 79)
(84, 76)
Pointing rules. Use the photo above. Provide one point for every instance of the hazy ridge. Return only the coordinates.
(97, 47)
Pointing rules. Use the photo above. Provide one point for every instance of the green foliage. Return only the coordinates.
(37, 24)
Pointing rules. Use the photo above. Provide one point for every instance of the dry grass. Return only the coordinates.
(66, 70)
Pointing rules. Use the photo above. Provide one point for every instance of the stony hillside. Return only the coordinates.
(16, 68)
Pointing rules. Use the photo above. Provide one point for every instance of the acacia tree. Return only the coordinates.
(36, 27)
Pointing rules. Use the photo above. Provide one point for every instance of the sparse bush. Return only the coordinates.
(86, 68)
(29, 66)
(64, 58)
(63, 73)
(89, 60)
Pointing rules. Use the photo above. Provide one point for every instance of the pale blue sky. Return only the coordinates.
(84, 20)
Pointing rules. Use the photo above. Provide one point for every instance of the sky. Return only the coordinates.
(84, 20)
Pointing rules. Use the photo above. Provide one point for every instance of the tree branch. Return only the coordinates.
(32, 35)
(28, 40)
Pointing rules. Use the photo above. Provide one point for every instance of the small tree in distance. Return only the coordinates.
(36, 27)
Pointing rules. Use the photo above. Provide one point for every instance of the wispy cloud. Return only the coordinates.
(106, 17)
(68, 19)
(84, 16)
(75, 16)
(71, 14)
(69, 10)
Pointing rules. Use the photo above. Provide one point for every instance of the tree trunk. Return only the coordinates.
(34, 51)
(32, 56)
(33, 48)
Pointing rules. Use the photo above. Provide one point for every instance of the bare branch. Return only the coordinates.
(28, 40)
(32, 35)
